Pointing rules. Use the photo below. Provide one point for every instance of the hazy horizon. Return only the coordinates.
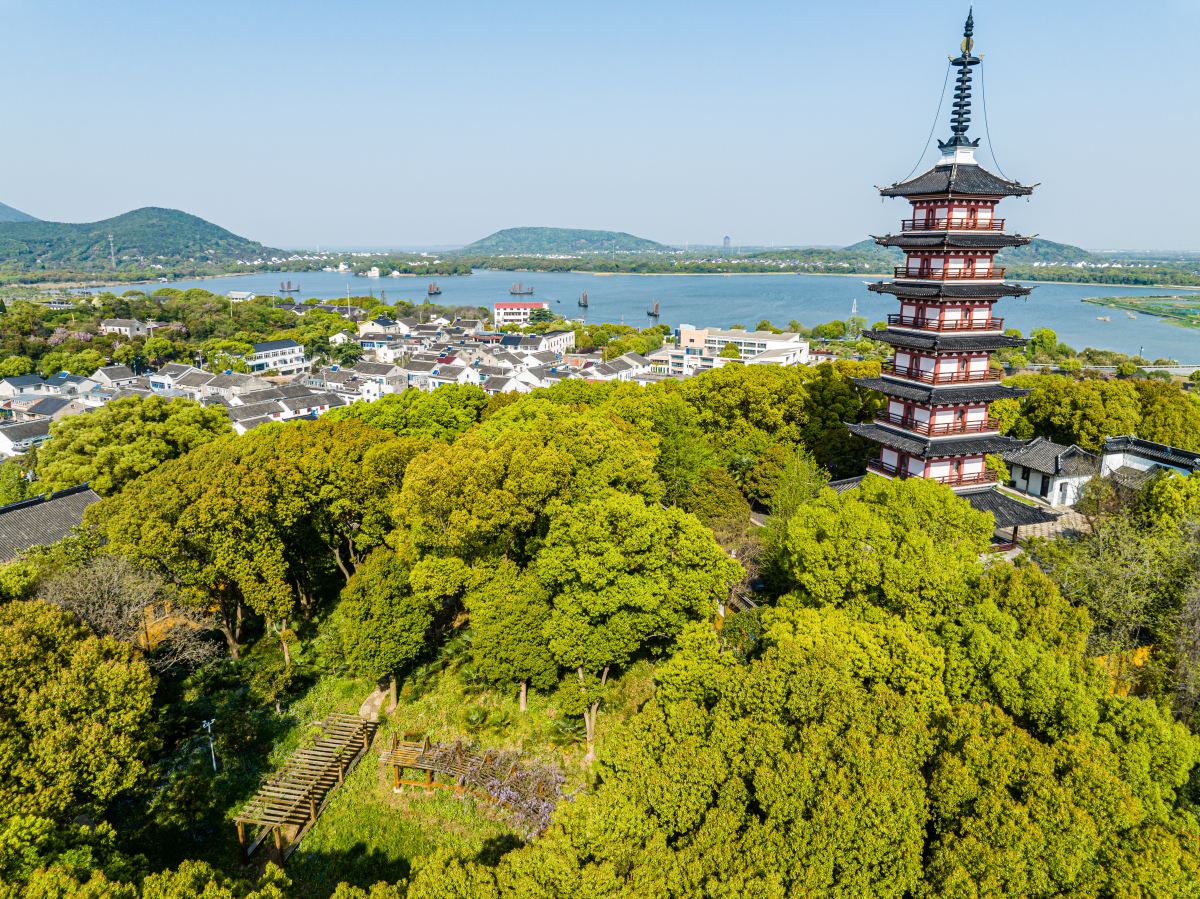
(378, 125)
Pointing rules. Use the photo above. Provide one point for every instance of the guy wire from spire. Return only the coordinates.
(941, 100)
(986, 130)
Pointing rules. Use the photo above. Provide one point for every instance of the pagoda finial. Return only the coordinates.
(961, 119)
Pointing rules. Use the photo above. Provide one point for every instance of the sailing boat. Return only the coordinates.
(583, 300)
(653, 313)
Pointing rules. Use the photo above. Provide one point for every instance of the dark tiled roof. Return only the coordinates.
(1008, 512)
(962, 179)
(925, 448)
(49, 405)
(995, 290)
(26, 430)
(966, 239)
(1154, 452)
(846, 484)
(921, 393)
(116, 372)
(1043, 455)
(41, 521)
(23, 380)
(274, 345)
(929, 340)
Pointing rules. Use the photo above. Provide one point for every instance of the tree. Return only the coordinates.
(1080, 412)
(442, 414)
(158, 348)
(764, 324)
(77, 711)
(730, 351)
(14, 366)
(540, 315)
(348, 353)
(117, 599)
(125, 439)
(127, 354)
(383, 620)
(509, 610)
(13, 486)
(683, 455)
(619, 574)
(715, 495)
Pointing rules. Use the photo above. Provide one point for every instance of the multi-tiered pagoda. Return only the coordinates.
(940, 382)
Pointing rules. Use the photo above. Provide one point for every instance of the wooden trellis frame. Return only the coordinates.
(298, 794)
(456, 761)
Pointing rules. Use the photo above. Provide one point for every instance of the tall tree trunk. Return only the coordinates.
(524, 688)
(231, 641)
(392, 694)
(337, 556)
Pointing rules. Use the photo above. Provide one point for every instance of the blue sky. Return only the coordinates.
(398, 124)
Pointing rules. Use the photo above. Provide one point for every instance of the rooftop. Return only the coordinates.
(42, 521)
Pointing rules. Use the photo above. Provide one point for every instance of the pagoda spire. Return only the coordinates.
(961, 119)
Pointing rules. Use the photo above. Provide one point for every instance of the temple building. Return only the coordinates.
(941, 381)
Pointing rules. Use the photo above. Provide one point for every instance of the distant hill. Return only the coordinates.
(869, 246)
(8, 214)
(1048, 251)
(145, 236)
(560, 241)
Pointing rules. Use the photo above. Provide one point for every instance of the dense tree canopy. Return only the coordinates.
(124, 439)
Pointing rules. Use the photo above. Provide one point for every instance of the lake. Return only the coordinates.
(720, 301)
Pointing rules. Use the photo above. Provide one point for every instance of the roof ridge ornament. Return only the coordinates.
(960, 121)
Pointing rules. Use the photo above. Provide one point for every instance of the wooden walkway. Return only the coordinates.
(297, 795)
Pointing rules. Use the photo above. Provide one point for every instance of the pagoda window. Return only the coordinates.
(979, 363)
(954, 313)
(889, 458)
(962, 364)
(907, 311)
(985, 214)
(903, 360)
(916, 466)
(971, 213)
(921, 415)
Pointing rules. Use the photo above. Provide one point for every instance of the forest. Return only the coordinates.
(751, 685)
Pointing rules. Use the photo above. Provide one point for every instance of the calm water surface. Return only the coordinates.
(720, 301)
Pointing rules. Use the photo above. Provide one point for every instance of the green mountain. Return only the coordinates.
(8, 214)
(1047, 251)
(564, 241)
(149, 236)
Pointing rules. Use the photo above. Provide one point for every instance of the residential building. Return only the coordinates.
(1126, 457)
(67, 384)
(561, 342)
(239, 296)
(128, 327)
(114, 376)
(233, 384)
(503, 384)
(471, 325)
(419, 372)
(1049, 470)
(341, 337)
(284, 356)
(22, 386)
(169, 376)
(623, 368)
(699, 349)
(515, 313)
(17, 439)
(52, 408)
(445, 375)
(381, 327)
(42, 520)
(193, 383)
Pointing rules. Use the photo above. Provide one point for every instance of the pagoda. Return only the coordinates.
(940, 382)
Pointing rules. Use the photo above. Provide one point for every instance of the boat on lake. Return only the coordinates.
(434, 290)
(653, 313)
(520, 290)
(289, 288)
(583, 300)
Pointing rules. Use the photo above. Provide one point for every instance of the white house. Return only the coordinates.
(284, 356)
(17, 439)
(699, 349)
(1049, 470)
(623, 368)
(239, 296)
(515, 313)
(114, 376)
(560, 342)
(1126, 457)
(128, 327)
(22, 385)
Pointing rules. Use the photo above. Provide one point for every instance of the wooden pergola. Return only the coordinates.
(483, 775)
(297, 795)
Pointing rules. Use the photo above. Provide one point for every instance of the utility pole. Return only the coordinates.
(208, 727)
(112, 252)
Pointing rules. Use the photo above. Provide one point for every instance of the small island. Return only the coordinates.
(1183, 311)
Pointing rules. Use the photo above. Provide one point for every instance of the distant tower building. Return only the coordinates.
(727, 243)
(939, 386)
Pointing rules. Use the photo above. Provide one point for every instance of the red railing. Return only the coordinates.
(952, 224)
(946, 324)
(961, 479)
(943, 377)
(950, 274)
(977, 426)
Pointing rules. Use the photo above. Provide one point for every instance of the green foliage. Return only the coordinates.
(995, 463)
(383, 620)
(442, 414)
(715, 495)
(730, 351)
(15, 366)
(13, 486)
(123, 440)
(619, 571)
(77, 712)
(509, 610)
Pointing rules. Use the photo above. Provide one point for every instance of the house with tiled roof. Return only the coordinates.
(114, 376)
(17, 439)
(1049, 470)
(42, 520)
